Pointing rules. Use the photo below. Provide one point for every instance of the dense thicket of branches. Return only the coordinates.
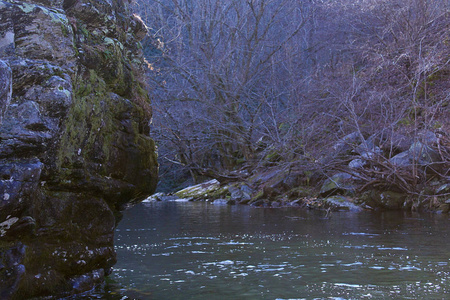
(240, 83)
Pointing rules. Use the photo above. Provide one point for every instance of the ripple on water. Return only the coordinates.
(315, 259)
(370, 235)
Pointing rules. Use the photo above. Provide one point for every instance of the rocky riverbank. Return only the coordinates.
(74, 144)
(362, 175)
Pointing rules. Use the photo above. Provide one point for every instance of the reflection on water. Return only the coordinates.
(185, 250)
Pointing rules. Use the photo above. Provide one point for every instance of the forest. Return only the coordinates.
(312, 87)
(320, 105)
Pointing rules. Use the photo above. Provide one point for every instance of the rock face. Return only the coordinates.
(5, 88)
(74, 144)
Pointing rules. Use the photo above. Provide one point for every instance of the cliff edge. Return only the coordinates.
(74, 143)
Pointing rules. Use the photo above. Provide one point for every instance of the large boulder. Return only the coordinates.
(389, 200)
(418, 154)
(393, 142)
(346, 145)
(74, 141)
(340, 183)
(206, 190)
(340, 203)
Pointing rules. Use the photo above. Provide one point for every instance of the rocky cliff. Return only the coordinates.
(74, 144)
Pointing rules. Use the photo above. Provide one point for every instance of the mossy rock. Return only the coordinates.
(300, 192)
(384, 199)
(207, 190)
(339, 202)
(340, 183)
(258, 195)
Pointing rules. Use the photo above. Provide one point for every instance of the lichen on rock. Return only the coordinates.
(74, 140)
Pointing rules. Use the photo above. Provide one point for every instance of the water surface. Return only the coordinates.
(198, 250)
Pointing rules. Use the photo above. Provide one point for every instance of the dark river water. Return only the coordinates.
(198, 250)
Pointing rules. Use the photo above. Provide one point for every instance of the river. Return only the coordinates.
(199, 250)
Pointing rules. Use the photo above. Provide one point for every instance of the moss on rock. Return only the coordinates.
(78, 118)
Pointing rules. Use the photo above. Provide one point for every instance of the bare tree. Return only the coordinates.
(222, 77)
(239, 83)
